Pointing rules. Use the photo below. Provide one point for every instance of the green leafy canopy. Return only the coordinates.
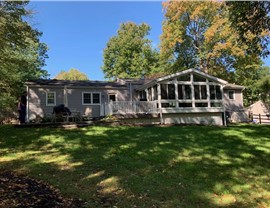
(129, 53)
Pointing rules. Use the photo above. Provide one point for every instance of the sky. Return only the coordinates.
(77, 32)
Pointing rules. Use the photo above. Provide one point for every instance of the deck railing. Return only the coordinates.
(130, 107)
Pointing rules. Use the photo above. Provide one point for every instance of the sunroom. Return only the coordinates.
(189, 91)
(190, 96)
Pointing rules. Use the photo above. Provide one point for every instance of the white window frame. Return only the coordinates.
(54, 100)
(99, 94)
(233, 94)
(91, 97)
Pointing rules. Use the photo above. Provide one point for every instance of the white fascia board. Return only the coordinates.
(188, 71)
(221, 81)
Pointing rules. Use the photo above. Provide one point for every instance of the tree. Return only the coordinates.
(263, 85)
(129, 53)
(199, 34)
(251, 19)
(72, 74)
(22, 55)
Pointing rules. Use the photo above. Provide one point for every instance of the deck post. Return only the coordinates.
(159, 103)
(192, 91)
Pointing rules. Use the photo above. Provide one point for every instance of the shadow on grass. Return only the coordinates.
(147, 167)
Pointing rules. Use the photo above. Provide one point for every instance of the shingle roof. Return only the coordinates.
(77, 83)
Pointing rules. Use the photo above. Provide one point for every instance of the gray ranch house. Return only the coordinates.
(188, 97)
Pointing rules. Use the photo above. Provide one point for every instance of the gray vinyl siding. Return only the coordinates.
(75, 102)
(38, 107)
(237, 103)
(37, 101)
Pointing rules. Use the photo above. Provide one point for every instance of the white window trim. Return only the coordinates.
(91, 97)
(99, 98)
(50, 104)
(233, 94)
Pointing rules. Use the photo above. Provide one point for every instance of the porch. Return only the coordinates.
(152, 107)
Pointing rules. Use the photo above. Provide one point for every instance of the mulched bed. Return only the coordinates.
(22, 191)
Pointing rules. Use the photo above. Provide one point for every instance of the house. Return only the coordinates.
(260, 112)
(190, 96)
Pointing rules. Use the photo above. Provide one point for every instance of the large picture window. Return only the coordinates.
(51, 98)
(89, 98)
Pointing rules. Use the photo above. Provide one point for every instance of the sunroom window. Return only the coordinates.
(197, 78)
(171, 91)
(164, 93)
(187, 92)
(200, 92)
(184, 78)
(215, 92)
(180, 92)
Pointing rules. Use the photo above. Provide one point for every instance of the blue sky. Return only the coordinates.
(77, 32)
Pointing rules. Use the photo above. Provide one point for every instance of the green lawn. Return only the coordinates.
(179, 166)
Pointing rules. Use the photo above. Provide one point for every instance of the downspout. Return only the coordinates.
(65, 96)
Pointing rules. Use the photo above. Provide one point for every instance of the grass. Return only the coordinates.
(187, 166)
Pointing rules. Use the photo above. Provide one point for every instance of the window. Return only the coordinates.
(90, 98)
(200, 92)
(231, 95)
(185, 105)
(164, 94)
(51, 98)
(184, 78)
(171, 91)
(168, 105)
(180, 92)
(142, 95)
(112, 97)
(215, 92)
(218, 93)
(187, 92)
(155, 92)
(86, 98)
(96, 98)
(197, 92)
(197, 78)
(201, 105)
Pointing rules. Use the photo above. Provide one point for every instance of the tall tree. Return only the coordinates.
(198, 34)
(251, 19)
(22, 55)
(72, 74)
(129, 53)
(263, 85)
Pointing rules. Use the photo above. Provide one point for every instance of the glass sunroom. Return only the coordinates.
(190, 90)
